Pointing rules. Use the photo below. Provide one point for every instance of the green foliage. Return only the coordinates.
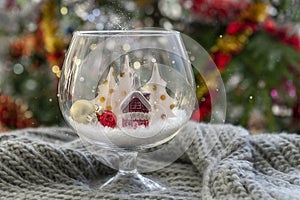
(36, 86)
(205, 34)
(287, 9)
(262, 66)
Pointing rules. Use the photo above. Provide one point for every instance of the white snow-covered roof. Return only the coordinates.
(135, 94)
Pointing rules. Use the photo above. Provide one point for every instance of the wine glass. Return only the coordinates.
(127, 91)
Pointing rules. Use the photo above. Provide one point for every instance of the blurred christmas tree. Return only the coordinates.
(255, 45)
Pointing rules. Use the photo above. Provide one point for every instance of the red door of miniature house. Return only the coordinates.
(136, 110)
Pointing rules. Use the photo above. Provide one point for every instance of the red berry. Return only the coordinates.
(107, 118)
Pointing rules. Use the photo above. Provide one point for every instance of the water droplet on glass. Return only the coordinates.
(173, 61)
(50, 100)
(153, 60)
(81, 79)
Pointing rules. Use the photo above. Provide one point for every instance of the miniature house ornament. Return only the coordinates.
(121, 101)
(136, 110)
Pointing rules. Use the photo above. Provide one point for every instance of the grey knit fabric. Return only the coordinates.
(50, 163)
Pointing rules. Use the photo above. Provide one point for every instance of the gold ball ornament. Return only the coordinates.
(82, 111)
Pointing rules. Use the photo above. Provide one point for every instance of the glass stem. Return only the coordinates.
(127, 163)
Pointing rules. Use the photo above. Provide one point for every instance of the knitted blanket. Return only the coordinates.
(49, 163)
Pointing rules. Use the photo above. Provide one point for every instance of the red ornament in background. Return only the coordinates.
(107, 118)
(26, 46)
(221, 60)
(236, 27)
(13, 115)
(204, 109)
(287, 32)
(270, 26)
(222, 11)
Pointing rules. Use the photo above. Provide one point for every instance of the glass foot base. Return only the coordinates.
(131, 184)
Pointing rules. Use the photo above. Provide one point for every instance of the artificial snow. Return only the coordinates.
(158, 131)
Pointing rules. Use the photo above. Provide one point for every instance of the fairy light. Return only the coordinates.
(93, 46)
(126, 47)
(64, 10)
(137, 65)
(56, 70)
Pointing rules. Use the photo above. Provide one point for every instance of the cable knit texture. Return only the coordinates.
(50, 163)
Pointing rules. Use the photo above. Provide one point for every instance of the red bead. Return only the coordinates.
(107, 118)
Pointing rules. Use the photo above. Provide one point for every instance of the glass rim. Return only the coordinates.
(129, 32)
